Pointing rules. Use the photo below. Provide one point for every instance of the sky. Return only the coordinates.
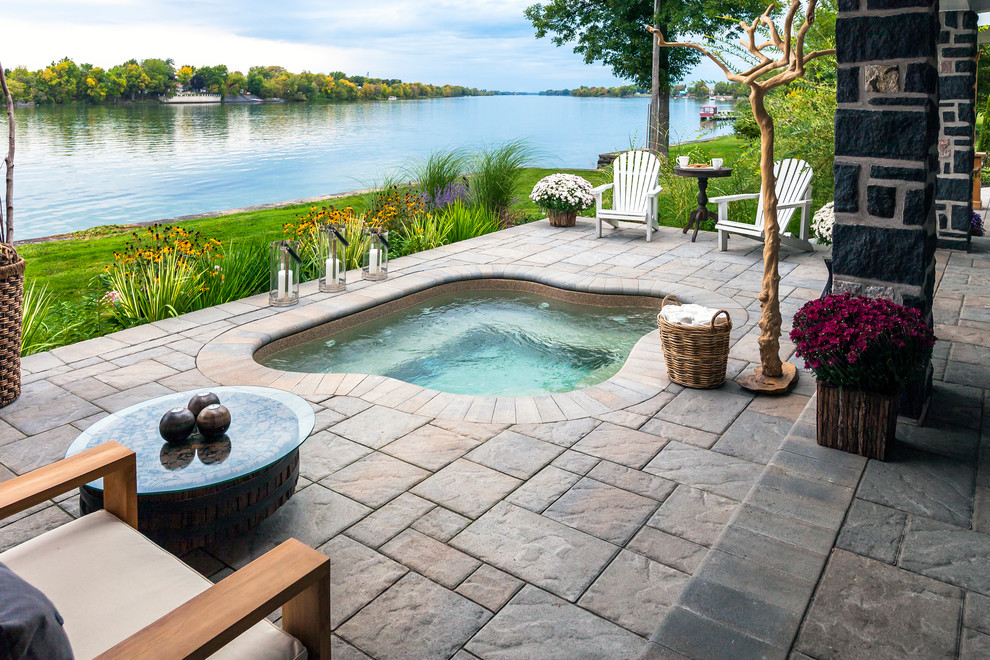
(487, 44)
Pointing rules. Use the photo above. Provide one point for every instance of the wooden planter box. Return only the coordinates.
(856, 421)
(562, 218)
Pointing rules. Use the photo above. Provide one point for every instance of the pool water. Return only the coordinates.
(492, 343)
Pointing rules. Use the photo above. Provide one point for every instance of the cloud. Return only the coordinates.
(485, 43)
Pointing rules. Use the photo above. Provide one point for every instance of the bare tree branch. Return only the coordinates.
(7, 231)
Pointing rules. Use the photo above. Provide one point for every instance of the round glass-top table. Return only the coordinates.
(192, 492)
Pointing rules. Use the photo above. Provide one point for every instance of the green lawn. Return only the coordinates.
(68, 266)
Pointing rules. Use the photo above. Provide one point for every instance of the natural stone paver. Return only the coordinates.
(621, 445)
(389, 520)
(948, 553)
(536, 624)
(38, 450)
(668, 549)
(357, 576)
(515, 454)
(707, 470)
(377, 426)
(397, 625)
(873, 531)
(43, 407)
(705, 410)
(431, 558)
(859, 597)
(685, 434)
(575, 462)
(648, 485)
(466, 488)
(341, 650)
(441, 524)
(634, 592)
(375, 479)
(430, 447)
(753, 436)
(543, 489)
(975, 645)
(922, 483)
(976, 614)
(541, 551)
(490, 587)
(608, 512)
(313, 515)
(693, 514)
(324, 453)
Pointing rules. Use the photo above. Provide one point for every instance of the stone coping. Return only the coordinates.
(230, 357)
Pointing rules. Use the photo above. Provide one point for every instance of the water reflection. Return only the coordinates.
(121, 164)
(176, 456)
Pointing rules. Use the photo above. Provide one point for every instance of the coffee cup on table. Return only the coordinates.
(717, 163)
(682, 161)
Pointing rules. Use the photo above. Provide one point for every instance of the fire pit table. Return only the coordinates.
(193, 492)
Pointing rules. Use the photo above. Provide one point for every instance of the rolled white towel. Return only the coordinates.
(688, 314)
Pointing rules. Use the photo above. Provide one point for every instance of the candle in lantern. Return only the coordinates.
(374, 261)
(333, 270)
(284, 283)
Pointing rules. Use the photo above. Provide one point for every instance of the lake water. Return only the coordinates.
(83, 166)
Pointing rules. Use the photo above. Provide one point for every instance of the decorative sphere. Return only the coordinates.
(200, 401)
(177, 424)
(213, 420)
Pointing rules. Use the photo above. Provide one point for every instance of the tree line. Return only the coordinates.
(585, 91)
(65, 81)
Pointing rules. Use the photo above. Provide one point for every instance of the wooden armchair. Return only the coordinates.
(181, 615)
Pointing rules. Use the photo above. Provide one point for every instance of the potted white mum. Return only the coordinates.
(562, 196)
(822, 224)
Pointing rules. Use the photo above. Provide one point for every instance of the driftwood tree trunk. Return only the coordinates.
(770, 320)
(772, 375)
(7, 230)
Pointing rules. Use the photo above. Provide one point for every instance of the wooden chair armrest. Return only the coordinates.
(601, 189)
(114, 462)
(293, 576)
(733, 198)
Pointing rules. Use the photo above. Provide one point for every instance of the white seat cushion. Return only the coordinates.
(108, 581)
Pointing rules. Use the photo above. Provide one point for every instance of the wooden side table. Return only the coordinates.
(702, 174)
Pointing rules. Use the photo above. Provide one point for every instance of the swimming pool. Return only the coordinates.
(489, 342)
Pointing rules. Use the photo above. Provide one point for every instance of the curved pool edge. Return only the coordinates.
(228, 359)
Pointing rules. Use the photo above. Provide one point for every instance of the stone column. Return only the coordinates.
(886, 161)
(957, 100)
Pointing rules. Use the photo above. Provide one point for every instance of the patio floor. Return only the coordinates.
(634, 518)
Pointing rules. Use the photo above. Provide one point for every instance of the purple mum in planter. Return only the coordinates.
(976, 225)
(862, 343)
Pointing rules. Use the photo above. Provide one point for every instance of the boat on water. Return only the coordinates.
(712, 113)
(392, 98)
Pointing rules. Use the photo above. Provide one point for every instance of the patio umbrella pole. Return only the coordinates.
(772, 376)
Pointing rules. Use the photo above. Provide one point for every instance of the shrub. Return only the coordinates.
(238, 271)
(423, 232)
(41, 330)
(869, 344)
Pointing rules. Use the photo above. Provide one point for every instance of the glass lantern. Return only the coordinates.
(333, 258)
(284, 267)
(374, 263)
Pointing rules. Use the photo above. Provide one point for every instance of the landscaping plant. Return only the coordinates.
(438, 174)
(869, 344)
(464, 222)
(497, 170)
(562, 192)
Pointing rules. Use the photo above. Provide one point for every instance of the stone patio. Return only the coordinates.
(633, 519)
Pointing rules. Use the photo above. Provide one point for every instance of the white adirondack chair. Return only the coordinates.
(634, 192)
(793, 192)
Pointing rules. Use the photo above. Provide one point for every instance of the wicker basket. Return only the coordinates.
(11, 309)
(696, 356)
